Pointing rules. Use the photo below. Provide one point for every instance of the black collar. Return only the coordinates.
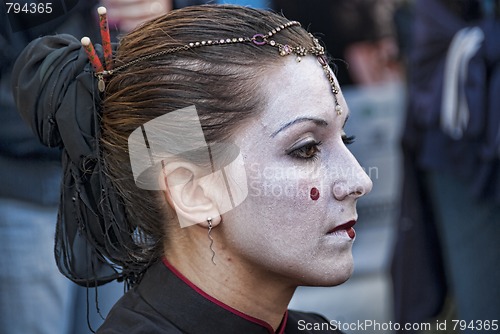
(192, 310)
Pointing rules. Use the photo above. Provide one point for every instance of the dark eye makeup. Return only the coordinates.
(348, 140)
(310, 148)
(306, 149)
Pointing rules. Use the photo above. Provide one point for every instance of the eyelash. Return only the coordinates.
(348, 140)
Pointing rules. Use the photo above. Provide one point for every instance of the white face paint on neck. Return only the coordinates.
(295, 144)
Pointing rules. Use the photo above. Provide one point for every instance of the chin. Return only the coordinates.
(333, 280)
(328, 275)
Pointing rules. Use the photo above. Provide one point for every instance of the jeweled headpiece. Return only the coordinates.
(258, 39)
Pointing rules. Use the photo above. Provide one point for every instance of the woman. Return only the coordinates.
(220, 180)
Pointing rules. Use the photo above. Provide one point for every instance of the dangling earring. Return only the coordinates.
(209, 221)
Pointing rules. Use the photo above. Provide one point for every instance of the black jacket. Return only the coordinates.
(166, 302)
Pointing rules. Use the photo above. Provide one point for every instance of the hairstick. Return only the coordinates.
(91, 54)
(105, 37)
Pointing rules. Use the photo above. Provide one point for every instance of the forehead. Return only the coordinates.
(292, 89)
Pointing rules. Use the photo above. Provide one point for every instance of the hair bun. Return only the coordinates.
(56, 94)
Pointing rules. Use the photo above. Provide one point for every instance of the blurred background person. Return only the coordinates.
(358, 33)
(446, 258)
(125, 15)
(34, 296)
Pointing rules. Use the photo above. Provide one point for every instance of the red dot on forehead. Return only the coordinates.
(314, 194)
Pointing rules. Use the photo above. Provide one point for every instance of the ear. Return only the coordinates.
(188, 191)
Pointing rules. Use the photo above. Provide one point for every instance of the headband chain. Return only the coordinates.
(257, 39)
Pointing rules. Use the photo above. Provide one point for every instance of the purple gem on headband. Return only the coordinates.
(258, 39)
(285, 50)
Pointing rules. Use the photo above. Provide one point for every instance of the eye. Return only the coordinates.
(307, 151)
(348, 139)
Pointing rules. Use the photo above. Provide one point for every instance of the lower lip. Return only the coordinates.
(350, 232)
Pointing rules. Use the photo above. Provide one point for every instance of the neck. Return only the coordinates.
(231, 280)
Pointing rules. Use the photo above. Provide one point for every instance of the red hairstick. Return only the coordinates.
(90, 51)
(106, 39)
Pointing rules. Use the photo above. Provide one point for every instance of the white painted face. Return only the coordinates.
(295, 144)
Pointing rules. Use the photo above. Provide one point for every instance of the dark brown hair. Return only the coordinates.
(219, 80)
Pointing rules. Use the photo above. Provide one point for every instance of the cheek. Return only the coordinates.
(283, 200)
(285, 188)
(286, 205)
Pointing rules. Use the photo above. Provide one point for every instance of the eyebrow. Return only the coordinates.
(317, 121)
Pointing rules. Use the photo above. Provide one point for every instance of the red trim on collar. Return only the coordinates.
(281, 328)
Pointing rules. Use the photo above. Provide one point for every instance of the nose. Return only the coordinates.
(352, 180)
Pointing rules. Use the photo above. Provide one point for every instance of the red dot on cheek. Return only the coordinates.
(314, 194)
